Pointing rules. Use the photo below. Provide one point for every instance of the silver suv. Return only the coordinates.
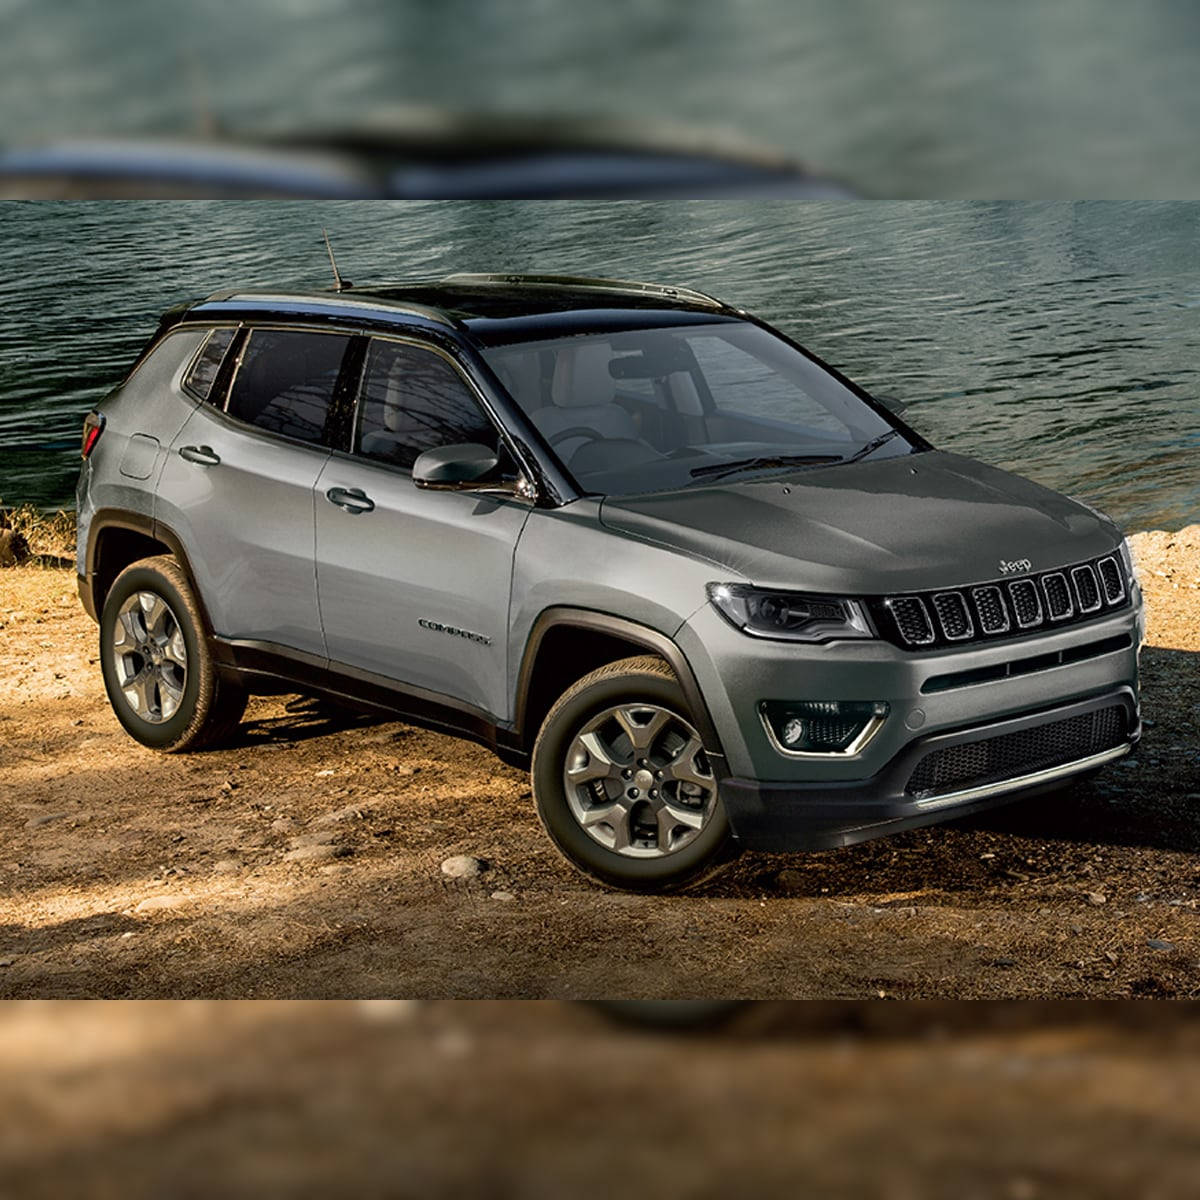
(708, 590)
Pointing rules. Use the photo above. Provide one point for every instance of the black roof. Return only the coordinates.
(494, 308)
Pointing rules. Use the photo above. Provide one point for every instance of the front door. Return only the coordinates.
(414, 584)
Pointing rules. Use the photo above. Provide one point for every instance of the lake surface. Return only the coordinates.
(1061, 341)
(920, 98)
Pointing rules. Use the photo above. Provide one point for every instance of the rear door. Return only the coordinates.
(238, 484)
(414, 584)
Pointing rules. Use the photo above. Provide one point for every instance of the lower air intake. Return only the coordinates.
(1011, 755)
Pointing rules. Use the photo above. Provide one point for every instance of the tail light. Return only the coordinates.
(93, 427)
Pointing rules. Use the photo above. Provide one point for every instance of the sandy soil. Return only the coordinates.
(541, 1100)
(305, 860)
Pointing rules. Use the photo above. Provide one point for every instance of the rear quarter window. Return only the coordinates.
(205, 366)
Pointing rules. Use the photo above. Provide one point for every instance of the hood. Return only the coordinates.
(907, 523)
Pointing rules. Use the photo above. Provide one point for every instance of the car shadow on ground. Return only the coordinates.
(306, 717)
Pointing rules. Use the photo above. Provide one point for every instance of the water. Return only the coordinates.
(933, 98)
(1061, 341)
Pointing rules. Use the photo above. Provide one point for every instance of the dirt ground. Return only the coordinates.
(541, 1100)
(305, 860)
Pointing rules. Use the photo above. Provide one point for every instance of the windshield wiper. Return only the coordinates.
(872, 446)
(764, 461)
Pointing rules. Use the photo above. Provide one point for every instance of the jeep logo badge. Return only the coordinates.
(1016, 566)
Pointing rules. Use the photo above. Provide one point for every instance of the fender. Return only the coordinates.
(641, 635)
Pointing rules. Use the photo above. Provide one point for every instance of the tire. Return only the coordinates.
(610, 816)
(157, 666)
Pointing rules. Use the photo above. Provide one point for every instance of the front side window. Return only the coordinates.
(413, 400)
(286, 380)
(203, 372)
(654, 409)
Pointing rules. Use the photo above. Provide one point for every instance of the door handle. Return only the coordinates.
(353, 500)
(202, 456)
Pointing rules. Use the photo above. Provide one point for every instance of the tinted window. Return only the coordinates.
(413, 400)
(204, 370)
(286, 380)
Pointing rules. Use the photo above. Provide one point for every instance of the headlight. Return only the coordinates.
(1130, 560)
(789, 616)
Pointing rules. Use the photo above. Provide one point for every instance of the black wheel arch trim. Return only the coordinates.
(117, 518)
(653, 640)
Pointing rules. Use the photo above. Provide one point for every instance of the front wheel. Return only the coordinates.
(157, 667)
(622, 782)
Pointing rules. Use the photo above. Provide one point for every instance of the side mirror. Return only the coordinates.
(454, 468)
(892, 404)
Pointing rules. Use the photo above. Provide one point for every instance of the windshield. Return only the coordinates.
(650, 410)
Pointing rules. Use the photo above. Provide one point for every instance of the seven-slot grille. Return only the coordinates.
(1013, 755)
(1003, 608)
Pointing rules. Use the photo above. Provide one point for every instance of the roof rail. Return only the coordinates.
(586, 281)
(328, 299)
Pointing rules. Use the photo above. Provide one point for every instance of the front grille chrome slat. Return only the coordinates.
(1112, 580)
(1004, 607)
(912, 620)
(991, 609)
(1027, 603)
(1087, 588)
(953, 616)
(1059, 605)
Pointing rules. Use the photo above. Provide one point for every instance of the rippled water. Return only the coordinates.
(1061, 341)
(935, 98)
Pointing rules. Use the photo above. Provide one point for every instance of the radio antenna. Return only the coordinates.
(339, 284)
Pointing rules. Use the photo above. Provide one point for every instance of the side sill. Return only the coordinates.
(267, 664)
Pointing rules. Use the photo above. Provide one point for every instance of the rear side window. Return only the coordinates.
(413, 400)
(286, 380)
(203, 372)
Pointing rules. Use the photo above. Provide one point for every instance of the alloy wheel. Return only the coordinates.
(150, 657)
(638, 781)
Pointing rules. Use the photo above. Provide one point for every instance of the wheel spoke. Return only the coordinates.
(124, 632)
(671, 816)
(600, 762)
(170, 695)
(142, 687)
(642, 734)
(616, 817)
(154, 615)
(682, 768)
(176, 650)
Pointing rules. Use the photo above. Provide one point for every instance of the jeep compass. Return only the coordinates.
(708, 590)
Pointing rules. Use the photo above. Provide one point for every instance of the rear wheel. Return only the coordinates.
(158, 670)
(622, 782)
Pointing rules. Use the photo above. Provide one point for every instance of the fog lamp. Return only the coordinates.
(822, 726)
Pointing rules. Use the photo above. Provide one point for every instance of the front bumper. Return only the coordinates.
(792, 816)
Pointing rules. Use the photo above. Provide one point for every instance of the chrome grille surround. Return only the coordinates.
(993, 612)
(1003, 607)
(1111, 579)
(1026, 602)
(1087, 588)
(953, 616)
(1059, 604)
(911, 619)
